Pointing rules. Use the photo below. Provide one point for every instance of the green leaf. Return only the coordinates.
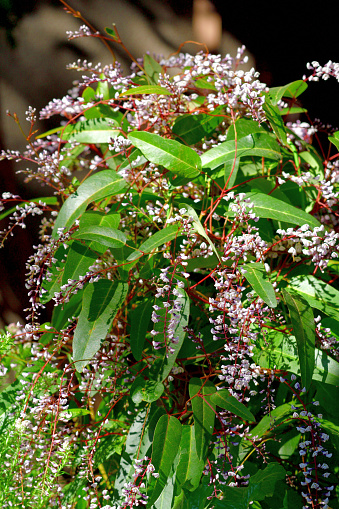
(285, 357)
(52, 284)
(79, 260)
(168, 357)
(203, 407)
(263, 145)
(140, 318)
(228, 402)
(335, 139)
(112, 33)
(190, 467)
(193, 128)
(146, 89)
(170, 154)
(100, 304)
(133, 442)
(273, 116)
(318, 294)
(243, 127)
(292, 90)
(145, 390)
(109, 237)
(276, 417)
(304, 330)
(96, 218)
(272, 208)
(96, 187)
(93, 130)
(158, 239)
(198, 226)
(166, 443)
(152, 68)
(255, 276)
(261, 485)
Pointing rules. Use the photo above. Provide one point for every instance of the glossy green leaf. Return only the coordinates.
(203, 407)
(317, 293)
(152, 68)
(168, 357)
(335, 139)
(140, 319)
(257, 144)
(52, 284)
(79, 259)
(166, 443)
(261, 485)
(269, 207)
(225, 400)
(273, 116)
(109, 237)
(254, 274)
(146, 89)
(96, 187)
(243, 127)
(198, 226)
(304, 330)
(97, 218)
(158, 239)
(190, 467)
(170, 154)
(193, 128)
(112, 33)
(292, 90)
(93, 130)
(145, 390)
(133, 441)
(100, 304)
(284, 356)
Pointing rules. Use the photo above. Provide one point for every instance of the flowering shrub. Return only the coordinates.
(189, 244)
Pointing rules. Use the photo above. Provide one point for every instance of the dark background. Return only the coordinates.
(282, 37)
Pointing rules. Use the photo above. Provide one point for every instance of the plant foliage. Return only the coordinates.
(189, 247)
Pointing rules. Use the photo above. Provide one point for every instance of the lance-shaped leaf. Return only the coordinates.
(170, 154)
(98, 186)
(304, 331)
(132, 445)
(261, 485)
(79, 259)
(273, 115)
(285, 357)
(318, 294)
(257, 144)
(152, 68)
(192, 128)
(190, 466)
(145, 390)
(292, 90)
(93, 130)
(166, 443)
(146, 89)
(203, 413)
(190, 212)
(228, 402)
(110, 237)
(158, 239)
(171, 330)
(269, 207)
(255, 276)
(100, 304)
(140, 319)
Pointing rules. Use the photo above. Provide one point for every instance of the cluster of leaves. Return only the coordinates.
(189, 248)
